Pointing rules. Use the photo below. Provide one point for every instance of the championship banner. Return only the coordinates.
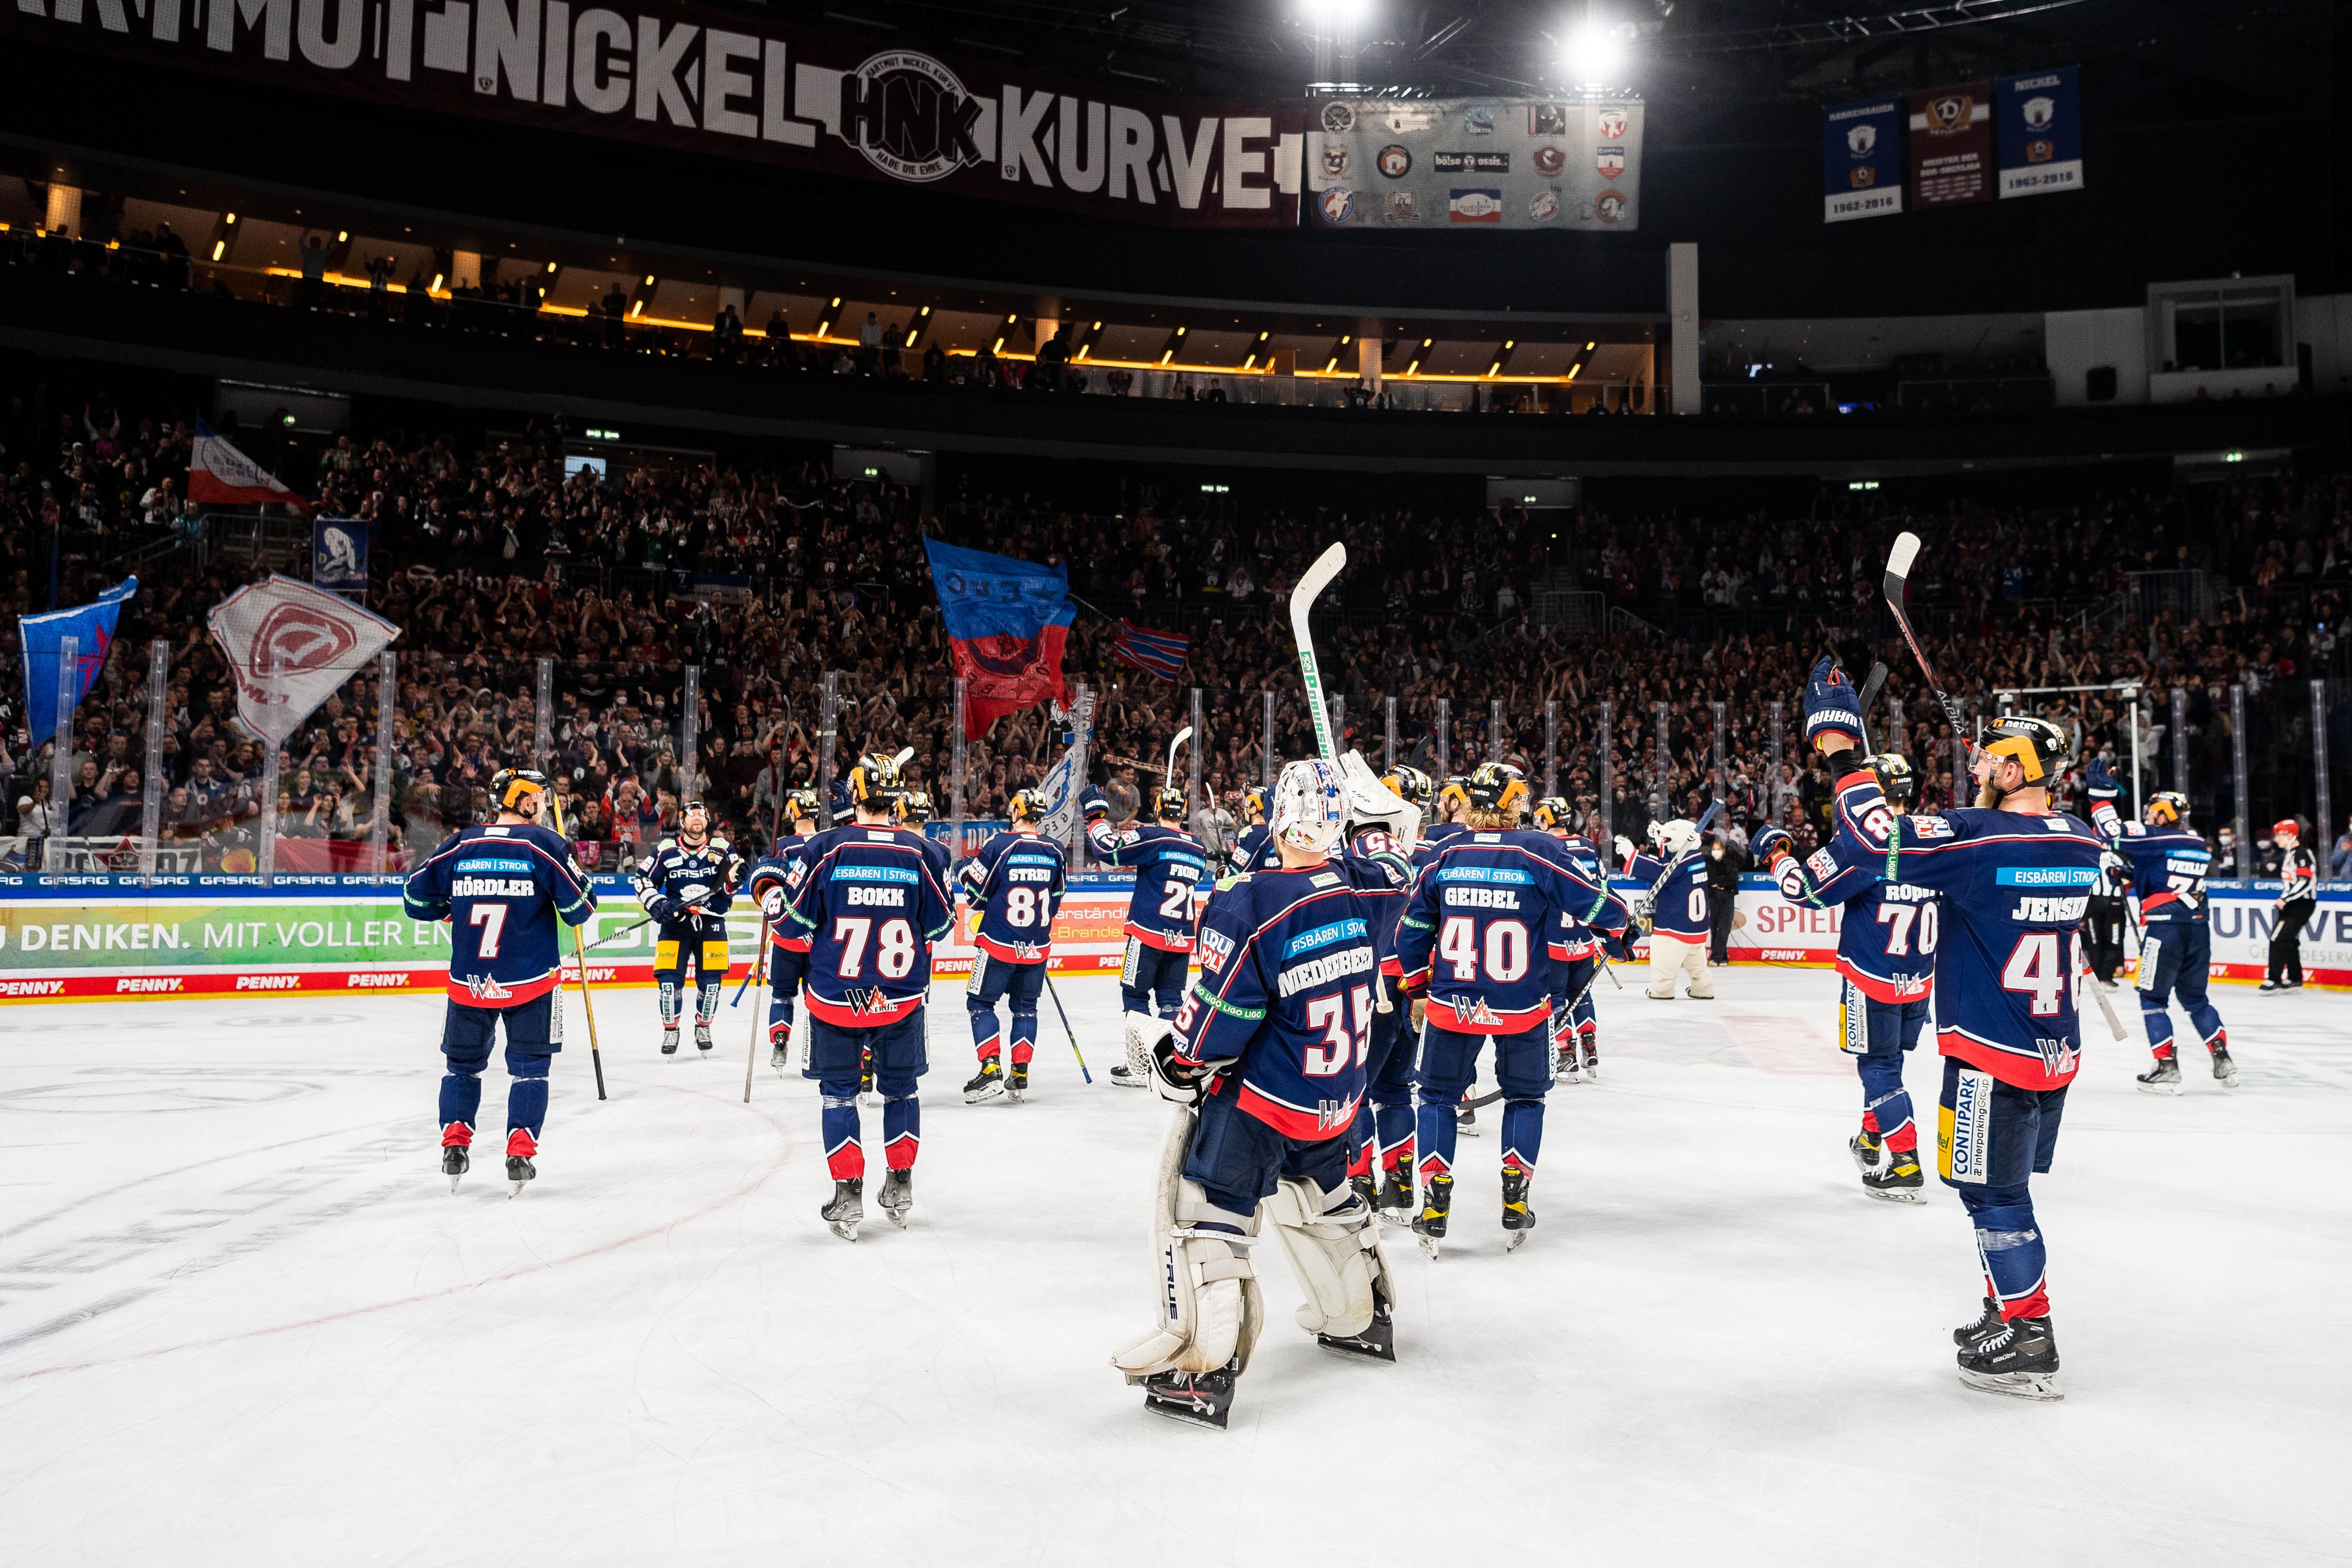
(290, 646)
(1951, 145)
(1498, 163)
(1006, 621)
(733, 84)
(339, 554)
(1862, 160)
(2037, 123)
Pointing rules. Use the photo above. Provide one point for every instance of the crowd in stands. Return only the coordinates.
(491, 559)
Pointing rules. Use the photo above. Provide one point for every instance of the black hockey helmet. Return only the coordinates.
(800, 805)
(2167, 808)
(875, 782)
(1497, 788)
(914, 808)
(1026, 805)
(1552, 812)
(510, 787)
(1897, 782)
(2036, 744)
(1167, 802)
(1455, 788)
(1410, 784)
(1254, 802)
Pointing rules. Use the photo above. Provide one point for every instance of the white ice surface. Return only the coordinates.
(243, 1321)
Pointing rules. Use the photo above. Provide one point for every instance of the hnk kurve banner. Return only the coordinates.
(733, 85)
(1491, 162)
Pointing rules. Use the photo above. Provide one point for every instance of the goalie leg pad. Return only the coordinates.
(1210, 1307)
(1334, 1248)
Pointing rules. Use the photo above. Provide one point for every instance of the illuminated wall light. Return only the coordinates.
(437, 284)
(998, 346)
(1344, 341)
(343, 236)
(1590, 347)
(230, 220)
(550, 267)
(219, 246)
(636, 310)
(1331, 365)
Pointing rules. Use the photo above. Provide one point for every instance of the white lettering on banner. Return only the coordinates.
(506, 44)
(1191, 166)
(144, 984)
(339, 53)
(444, 37)
(659, 54)
(31, 987)
(269, 982)
(601, 70)
(1241, 162)
(372, 978)
(1131, 150)
(274, 16)
(555, 65)
(1082, 165)
(1016, 152)
(721, 81)
(777, 120)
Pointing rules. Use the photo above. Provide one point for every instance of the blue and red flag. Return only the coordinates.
(1155, 652)
(91, 626)
(1006, 620)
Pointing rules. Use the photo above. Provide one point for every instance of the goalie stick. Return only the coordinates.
(1310, 587)
(1899, 577)
(1168, 779)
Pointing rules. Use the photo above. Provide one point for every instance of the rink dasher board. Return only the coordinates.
(327, 935)
(332, 935)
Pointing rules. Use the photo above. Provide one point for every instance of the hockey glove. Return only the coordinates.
(1618, 944)
(1624, 847)
(2099, 779)
(1771, 842)
(1178, 1081)
(663, 907)
(1420, 1012)
(1832, 711)
(1094, 804)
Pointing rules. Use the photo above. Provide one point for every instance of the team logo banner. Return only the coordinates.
(339, 554)
(1862, 160)
(1498, 163)
(91, 626)
(290, 646)
(1951, 145)
(1006, 620)
(2037, 123)
(733, 84)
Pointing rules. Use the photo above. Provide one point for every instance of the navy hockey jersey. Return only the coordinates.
(503, 891)
(1254, 850)
(1484, 917)
(2168, 866)
(1585, 860)
(1677, 893)
(1169, 864)
(1887, 932)
(869, 907)
(2015, 890)
(1290, 968)
(1434, 836)
(776, 879)
(1017, 879)
(688, 888)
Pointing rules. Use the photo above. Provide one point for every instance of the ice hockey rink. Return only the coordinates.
(243, 1320)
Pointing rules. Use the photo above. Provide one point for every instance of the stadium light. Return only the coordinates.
(1595, 55)
(1336, 13)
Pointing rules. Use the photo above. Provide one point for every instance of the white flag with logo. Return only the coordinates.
(311, 641)
(1066, 780)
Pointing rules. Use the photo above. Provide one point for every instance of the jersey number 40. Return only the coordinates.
(1505, 948)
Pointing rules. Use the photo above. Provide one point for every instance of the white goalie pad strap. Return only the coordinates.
(1334, 1250)
(1207, 1300)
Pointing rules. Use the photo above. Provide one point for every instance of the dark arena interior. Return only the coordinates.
(1252, 604)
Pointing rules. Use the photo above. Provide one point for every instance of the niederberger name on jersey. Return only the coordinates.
(1331, 966)
(492, 887)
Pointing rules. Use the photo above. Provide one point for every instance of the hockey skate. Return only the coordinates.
(1376, 1342)
(1430, 1223)
(702, 1041)
(1864, 1148)
(2019, 1358)
(1987, 1322)
(669, 1040)
(1465, 1117)
(1017, 1088)
(1591, 1060)
(1202, 1398)
(897, 1196)
(1397, 1196)
(2164, 1077)
(986, 1085)
(455, 1162)
(847, 1209)
(521, 1148)
(2225, 1071)
(1126, 1080)
(780, 1052)
(1899, 1181)
(1367, 1188)
(1518, 1218)
(1566, 1068)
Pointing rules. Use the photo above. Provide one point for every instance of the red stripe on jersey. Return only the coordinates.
(2157, 900)
(1883, 988)
(1485, 1020)
(1161, 940)
(997, 950)
(505, 993)
(865, 1016)
(1313, 1126)
(2021, 1068)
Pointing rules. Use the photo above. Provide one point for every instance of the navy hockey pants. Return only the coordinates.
(1152, 973)
(1991, 1139)
(2176, 957)
(1522, 1069)
(1237, 1159)
(1020, 984)
(534, 1033)
(837, 1059)
(1877, 1034)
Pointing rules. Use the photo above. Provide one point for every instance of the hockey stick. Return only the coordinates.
(1898, 575)
(1871, 685)
(617, 935)
(1569, 1005)
(1072, 1034)
(580, 949)
(2098, 994)
(1168, 779)
(751, 1053)
(1310, 587)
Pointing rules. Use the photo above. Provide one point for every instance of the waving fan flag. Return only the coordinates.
(91, 626)
(1006, 620)
(312, 642)
(220, 474)
(1155, 653)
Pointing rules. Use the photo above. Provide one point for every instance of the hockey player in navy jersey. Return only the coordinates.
(688, 885)
(2015, 877)
(503, 889)
(2169, 864)
(1680, 919)
(1168, 865)
(1453, 799)
(1253, 850)
(1575, 1025)
(1267, 1057)
(1017, 881)
(1887, 934)
(1382, 1165)
(1477, 950)
(869, 909)
(773, 880)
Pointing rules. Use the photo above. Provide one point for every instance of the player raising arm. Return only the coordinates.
(2015, 877)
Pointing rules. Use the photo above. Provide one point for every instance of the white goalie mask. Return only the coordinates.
(1309, 806)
